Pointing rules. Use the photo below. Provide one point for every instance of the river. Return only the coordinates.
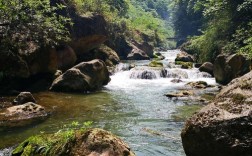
(131, 107)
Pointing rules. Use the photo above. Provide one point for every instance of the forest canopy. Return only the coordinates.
(214, 26)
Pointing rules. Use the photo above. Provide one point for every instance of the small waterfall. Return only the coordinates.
(122, 67)
(147, 73)
(136, 72)
(6, 151)
(176, 73)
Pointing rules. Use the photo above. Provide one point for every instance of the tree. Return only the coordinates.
(23, 22)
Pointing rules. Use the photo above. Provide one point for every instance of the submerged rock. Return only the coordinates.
(222, 128)
(86, 76)
(91, 142)
(199, 85)
(184, 65)
(184, 93)
(156, 64)
(176, 80)
(22, 115)
(158, 56)
(23, 98)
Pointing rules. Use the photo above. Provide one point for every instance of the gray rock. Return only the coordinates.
(222, 128)
(137, 54)
(184, 57)
(207, 67)
(22, 115)
(226, 68)
(86, 76)
(23, 98)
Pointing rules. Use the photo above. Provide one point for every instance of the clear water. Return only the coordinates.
(134, 109)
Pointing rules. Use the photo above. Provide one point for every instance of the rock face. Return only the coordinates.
(93, 142)
(108, 55)
(86, 76)
(222, 128)
(14, 65)
(66, 57)
(207, 67)
(184, 57)
(226, 68)
(23, 98)
(137, 54)
(22, 115)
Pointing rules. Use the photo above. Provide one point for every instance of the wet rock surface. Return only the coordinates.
(199, 85)
(184, 93)
(222, 128)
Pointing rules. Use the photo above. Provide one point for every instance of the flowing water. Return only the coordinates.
(132, 106)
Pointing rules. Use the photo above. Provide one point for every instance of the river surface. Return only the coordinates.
(133, 108)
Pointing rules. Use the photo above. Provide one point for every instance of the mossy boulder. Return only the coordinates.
(72, 143)
(156, 64)
(184, 65)
(158, 56)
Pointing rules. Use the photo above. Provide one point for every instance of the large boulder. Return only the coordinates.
(108, 55)
(222, 128)
(92, 142)
(137, 54)
(86, 76)
(226, 68)
(23, 98)
(21, 115)
(145, 46)
(207, 67)
(184, 57)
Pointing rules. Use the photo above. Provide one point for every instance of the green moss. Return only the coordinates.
(208, 96)
(238, 98)
(45, 144)
(186, 111)
(184, 65)
(155, 63)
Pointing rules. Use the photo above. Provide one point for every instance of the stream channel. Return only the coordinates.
(130, 106)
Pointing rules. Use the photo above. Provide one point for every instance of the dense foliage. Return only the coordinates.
(134, 19)
(218, 26)
(24, 22)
